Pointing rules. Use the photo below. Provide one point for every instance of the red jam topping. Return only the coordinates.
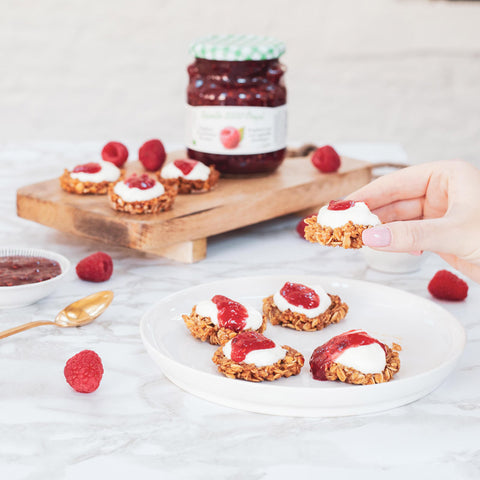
(324, 355)
(91, 167)
(250, 83)
(186, 165)
(340, 204)
(247, 342)
(300, 295)
(19, 270)
(231, 314)
(143, 182)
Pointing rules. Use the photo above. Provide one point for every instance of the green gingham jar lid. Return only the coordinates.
(237, 47)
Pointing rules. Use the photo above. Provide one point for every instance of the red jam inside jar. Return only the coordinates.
(237, 107)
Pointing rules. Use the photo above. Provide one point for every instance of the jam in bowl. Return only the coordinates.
(22, 270)
(29, 274)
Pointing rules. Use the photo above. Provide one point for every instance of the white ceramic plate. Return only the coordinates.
(431, 339)
(21, 295)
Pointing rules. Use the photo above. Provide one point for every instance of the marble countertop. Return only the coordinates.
(139, 424)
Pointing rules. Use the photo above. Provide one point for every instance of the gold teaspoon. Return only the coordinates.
(77, 314)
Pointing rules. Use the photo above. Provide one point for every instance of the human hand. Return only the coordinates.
(433, 206)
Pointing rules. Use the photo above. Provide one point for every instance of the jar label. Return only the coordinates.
(232, 130)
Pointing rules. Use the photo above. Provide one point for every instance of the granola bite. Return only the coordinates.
(340, 224)
(141, 194)
(90, 178)
(220, 319)
(355, 357)
(191, 176)
(253, 357)
(303, 307)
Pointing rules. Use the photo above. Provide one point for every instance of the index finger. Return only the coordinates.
(404, 184)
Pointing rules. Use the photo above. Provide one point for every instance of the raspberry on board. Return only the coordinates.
(84, 371)
(326, 159)
(447, 286)
(152, 155)
(116, 153)
(97, 267)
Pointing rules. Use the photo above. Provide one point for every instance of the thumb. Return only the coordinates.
(410, 236)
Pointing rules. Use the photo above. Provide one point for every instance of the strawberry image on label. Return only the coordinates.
(231, 137)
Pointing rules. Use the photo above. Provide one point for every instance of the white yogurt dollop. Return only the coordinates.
(359, 214)
(261, 358)
(199, 172)
(207, 308)
(108, 173)
(283, 304)
(365, 358)
(137, 194)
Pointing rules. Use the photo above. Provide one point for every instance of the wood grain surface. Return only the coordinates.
(181, 232)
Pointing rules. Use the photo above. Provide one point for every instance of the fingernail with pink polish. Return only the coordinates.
(377, 237)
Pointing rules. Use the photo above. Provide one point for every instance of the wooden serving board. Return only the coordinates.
(182, 232)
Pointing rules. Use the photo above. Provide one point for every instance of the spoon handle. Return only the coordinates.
(25, 326)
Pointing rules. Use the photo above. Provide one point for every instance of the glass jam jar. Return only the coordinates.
(236, 104)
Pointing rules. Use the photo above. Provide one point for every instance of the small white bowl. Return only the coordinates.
(391, 262)
(21, 295)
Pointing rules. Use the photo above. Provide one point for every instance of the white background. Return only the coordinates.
(373, 70)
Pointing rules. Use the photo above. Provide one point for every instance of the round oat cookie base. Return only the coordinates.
(290, 365)
(206, 331)
(193, 186)
(337, 371)
(158, 204)
(73, 185)
(346, 236)
(298, 321)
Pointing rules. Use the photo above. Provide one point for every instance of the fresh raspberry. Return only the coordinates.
(326, 159)
(91, 167)
(340, 204)
(447, 286)
(230, 137)
(84, 371)
(301, 226)
(97, 267)
(116, 153)
(152, 155)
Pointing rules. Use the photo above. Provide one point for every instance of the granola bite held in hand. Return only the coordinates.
(220, 319)
(340, 224)
(254, 357)
(303, 307)
(141, 194)
(191, 176)
(355, 357)
(90, 178)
